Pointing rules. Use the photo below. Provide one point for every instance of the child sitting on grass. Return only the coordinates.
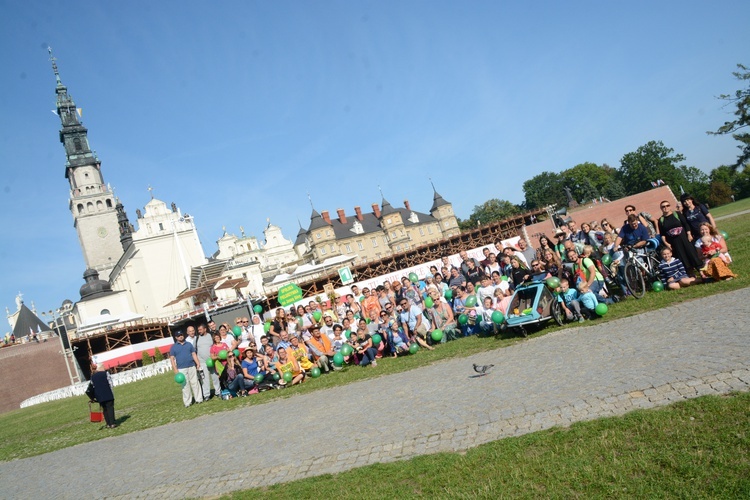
(672, 271)
(587, 299)
(568, 299)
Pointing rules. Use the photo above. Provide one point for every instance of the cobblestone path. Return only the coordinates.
(684, 351)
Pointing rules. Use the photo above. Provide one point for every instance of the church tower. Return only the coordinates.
(92, 203)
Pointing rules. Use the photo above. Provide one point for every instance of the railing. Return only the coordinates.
(140, 373)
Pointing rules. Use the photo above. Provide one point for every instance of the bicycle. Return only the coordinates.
(639, 268)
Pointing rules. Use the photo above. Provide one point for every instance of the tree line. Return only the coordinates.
(651, 164)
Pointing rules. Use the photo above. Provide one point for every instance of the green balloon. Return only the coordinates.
(413, 277)
(276, 377)
(657, 286)
(428, 302)
(606, 259)
(448, 294)
(288, 377)
(497, 317)
(258, 378)
(348, 334)
(317, 315)
(471, 301)
(553, 282)
(266, 327)
(236, 352)
(179, 378)
(437, 335)
(463, 319)
(315, 372)
(210, 363)
(237, 331)
(258, 308)
(376, 340)
(223, 354)
(601, 309)
(346, 350)
(338, 359)
(368, 320)
(504, 277)
(413, 348)
(724, 234)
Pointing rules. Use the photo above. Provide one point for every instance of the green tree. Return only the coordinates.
(720, 193)
(741, 183)
(490, 211)
(695, 182)
(741, 100)
(158, 356)
(588, 180)
(614, 190)
(145, 358)
(649, 163)
(544, 189)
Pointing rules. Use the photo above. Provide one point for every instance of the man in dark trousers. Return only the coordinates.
(102, 383)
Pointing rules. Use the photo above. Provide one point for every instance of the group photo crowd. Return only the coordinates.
(582, 265)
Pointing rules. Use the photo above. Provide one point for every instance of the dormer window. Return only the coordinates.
(413, 218)
(357, 227)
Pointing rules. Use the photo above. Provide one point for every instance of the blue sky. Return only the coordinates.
(235, 110)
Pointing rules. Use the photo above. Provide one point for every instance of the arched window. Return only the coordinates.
(109, 203)
(90, 207)
(99, 206)
(104, 311)
(77, 144)
(80, 208)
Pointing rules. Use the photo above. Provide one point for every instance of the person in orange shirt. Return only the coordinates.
(371, 304)
(288, 364)
(321, 348)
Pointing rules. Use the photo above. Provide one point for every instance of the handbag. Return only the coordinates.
(90, 392)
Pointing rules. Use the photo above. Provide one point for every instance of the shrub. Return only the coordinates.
(145, 358)
(158, 356)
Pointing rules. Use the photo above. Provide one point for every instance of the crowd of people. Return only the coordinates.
(453, 300)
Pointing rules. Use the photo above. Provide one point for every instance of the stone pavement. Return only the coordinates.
(684, 351)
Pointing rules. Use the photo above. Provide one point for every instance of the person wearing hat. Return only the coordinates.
(185, 360)
(560, 237)
(696, 214)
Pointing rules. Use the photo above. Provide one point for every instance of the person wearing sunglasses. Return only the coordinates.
(675, 234)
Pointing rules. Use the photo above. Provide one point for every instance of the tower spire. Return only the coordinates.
(92, 202)
(54, 65)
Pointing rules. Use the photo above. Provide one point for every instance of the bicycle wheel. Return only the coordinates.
(634, 280)
(556, 312)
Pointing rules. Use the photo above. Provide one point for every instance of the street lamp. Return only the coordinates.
(65, 353)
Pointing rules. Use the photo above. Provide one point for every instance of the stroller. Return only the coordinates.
(533, 304)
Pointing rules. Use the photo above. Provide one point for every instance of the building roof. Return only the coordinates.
(371, 224)
(316, 221)
(437, 201)
(386, 208)
(28, 323)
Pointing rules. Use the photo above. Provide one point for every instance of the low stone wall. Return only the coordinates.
(117, 379)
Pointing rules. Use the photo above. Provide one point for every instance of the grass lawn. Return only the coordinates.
(694, 449)
(157, 401)
(729, 208)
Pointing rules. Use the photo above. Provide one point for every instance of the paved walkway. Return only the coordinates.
(691, 349)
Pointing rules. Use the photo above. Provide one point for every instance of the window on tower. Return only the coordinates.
(77, 144)
(80, 208)
(109, 203)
